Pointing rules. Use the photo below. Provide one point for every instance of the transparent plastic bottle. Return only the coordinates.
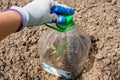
(64, 53)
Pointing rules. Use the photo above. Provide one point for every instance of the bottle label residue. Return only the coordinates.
(57, 72)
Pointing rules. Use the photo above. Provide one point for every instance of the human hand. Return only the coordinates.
(39, 12)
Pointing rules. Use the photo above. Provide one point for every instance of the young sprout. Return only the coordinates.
(59, 52)
(54, 49)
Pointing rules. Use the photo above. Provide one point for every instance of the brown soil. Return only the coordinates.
(20, 60)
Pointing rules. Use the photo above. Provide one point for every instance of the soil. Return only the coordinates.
(20, 60)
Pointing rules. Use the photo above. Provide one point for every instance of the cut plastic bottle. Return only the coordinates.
(64, 54)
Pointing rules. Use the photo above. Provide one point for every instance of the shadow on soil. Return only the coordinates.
(93, 51)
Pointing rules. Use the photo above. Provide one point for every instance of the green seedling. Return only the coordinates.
(54, 49)
(60, 50)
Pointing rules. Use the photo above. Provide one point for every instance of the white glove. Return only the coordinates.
(39, 12)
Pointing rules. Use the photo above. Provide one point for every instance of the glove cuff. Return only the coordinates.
(23, 14)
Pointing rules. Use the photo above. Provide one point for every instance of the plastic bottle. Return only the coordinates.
(64, 51)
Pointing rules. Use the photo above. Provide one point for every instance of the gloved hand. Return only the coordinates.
(42, 11)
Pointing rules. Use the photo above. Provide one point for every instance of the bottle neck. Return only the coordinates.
(68, 25)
